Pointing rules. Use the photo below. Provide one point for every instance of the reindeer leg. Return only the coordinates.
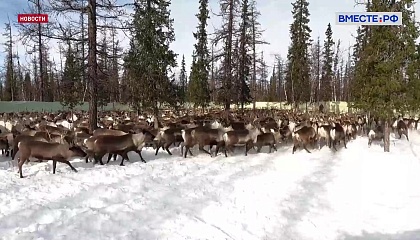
(159, 144)
(217, 150)
(166, 146)
(71, 166)
(124, 156)
(218, 146)
(54, 166)
(269, 148)
(345, 145)
(20, 163)
(201, 148)
(407, 136)
(109, 158)
(304, 146)
(139, 153)
(250, 145)
(99, 158)
(187, 148)
(294, 149)
(226, 149)
(333, 144)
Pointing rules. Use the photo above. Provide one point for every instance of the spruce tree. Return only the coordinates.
(280, 79)
(326, 86)
(383, 68)
(198, 87)
(27, 87)
(298, 67)
(272, 94)
(150, 58)
(70, 81)
(182, 88)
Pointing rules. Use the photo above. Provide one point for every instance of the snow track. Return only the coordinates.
(355, 193)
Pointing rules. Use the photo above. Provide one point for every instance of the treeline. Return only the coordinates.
(379, 73)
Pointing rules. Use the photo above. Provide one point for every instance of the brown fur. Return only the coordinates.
(337, 135)
(204, 136)
(48, 151)
(303, 136)
(118, 144)
(402, 129)
(168, 137)
(266, 139)
(4, 145)
(105, 131)
(240, 137)
(24, 138)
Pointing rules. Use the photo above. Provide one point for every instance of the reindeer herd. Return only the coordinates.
(62, 136)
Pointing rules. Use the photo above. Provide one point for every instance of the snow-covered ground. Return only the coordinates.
(355, 193)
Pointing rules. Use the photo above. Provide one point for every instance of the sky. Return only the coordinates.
(275, 19)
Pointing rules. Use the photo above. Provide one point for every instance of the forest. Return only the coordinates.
(379, 73)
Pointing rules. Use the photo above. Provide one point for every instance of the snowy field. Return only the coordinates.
(355, 193)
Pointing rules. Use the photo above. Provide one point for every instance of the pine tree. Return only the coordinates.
(151, 59)
(327, 67)
(298, 67)
(198, 87)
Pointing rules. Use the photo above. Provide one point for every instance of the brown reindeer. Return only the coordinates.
(47, 151)
(245, 137)
(303, 136)
(166, 137)
(266, 139)
(121, 145)
(24, 138)
(337, 134)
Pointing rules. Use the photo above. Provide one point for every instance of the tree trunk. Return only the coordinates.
(92, 67)
(387, 133)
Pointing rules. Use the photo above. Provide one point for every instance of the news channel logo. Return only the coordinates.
(369, 18)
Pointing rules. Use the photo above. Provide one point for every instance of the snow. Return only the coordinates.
(355, 193)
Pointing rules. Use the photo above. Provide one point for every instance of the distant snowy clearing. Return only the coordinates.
(355, 193)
